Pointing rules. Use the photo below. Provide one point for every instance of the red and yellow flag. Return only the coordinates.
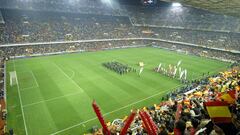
(229, 97)
(218, 111)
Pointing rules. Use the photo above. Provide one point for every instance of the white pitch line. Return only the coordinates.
(34, 78)
(68, 77)
(13, 106)
(20, 99)
(52, 99)
(60, 131)
(28, 88)
(73, 73)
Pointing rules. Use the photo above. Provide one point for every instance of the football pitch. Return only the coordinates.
(54, 93)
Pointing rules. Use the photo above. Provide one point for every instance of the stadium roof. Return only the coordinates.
(228, 7)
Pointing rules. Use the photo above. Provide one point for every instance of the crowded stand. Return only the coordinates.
(24, 26)
(3, 111)
(163, 15)
(198, 51)
(228, 41)
(182, 17)
(185, 111)
(44, 26)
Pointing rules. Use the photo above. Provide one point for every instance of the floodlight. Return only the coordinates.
(176, 4)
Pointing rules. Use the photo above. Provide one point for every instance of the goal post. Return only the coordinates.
(13, 78)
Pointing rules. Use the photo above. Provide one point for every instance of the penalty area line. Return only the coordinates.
(68, 128)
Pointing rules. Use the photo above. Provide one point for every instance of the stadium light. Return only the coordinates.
(108, 2)
(176, 4)
(111, 3)
(176, 7)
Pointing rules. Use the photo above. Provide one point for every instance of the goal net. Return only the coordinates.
(13, 78)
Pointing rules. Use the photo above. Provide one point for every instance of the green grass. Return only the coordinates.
(57, 91)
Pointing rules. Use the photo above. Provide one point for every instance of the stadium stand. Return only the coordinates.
(2, 81)
(39, 26)
(182, 17)
(163, 15)
(2, 96)
(47, 26)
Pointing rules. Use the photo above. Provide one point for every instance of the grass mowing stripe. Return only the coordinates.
(68, 77)
(34, 78)
(52, 99)
(60, 131)
(73, 73)
(20, 99)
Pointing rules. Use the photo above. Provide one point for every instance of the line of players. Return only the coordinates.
(119, 67)
(172, 71)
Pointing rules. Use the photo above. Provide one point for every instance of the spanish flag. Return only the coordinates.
(229, 97)
(218, 111)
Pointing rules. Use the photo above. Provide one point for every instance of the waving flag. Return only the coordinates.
(175, 71)
(180, 70)
(179, 63)
(229, 97)
(218, 111)
(140, 71)
(181, 74)
(159, 66)
(185, 74)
